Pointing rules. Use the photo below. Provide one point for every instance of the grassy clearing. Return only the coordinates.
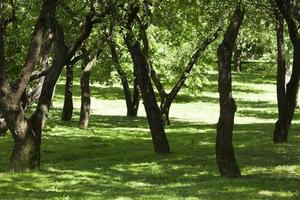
(114, 159)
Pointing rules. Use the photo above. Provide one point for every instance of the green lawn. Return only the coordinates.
(114, 158)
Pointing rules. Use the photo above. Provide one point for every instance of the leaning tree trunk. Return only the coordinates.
(131, 111)
(159, 139)
(68, 101)
(293, 85)
(168, 98)
(280, 131)
(224, 147)
(85, 109)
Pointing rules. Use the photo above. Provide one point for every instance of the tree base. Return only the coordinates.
(25, 157)
(280, 134)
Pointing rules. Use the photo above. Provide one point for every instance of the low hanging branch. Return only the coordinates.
(168, 98)
(34, 49)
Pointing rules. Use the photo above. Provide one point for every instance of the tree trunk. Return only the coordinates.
(85, 109)
(283, 124)
(131, 112)
(68, 101)
(165, 109)
(280, 132)
(159, 139)
(238, 60)
(25, 155)
(136, 96)
(224, 147)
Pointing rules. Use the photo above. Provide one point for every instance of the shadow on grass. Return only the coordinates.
(116, 93)
(114, 158)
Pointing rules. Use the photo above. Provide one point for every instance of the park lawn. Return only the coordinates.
(114, 158)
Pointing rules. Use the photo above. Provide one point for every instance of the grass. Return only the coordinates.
(114, 158)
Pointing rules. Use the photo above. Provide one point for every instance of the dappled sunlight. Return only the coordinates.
(113, 158)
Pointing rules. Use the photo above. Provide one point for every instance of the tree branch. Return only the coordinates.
(199, 51)
(47, 12)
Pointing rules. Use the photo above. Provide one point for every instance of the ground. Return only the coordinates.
(114, 157)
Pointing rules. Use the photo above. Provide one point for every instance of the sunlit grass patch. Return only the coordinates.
(114, 159)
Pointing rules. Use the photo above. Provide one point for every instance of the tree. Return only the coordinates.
(188, 28)
(27, 131)
(68, 100)
(224, 148)
(280, 129)
(288, 104)
(168, 98)
(85, 109)
(132, 101)
(159, 138)
(24, 155)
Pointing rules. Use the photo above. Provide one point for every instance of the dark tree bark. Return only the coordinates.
(237, 57)
(129, 98)
(27, 132)
(287, 111)
(224, 147)
(280, 131)
(39, 117)
(136, 94)
(68, 101)
(159, 138)
(63, 56)
(85, 110)
(28, 98)
(24, 153)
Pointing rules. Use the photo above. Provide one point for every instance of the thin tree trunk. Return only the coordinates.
(127, 93)
(39, 117)
(280, 131)
(238, 60)
(159, 139)
(224, 147)
(63, 56)
(293, 85)
(68, 101)
(85, 90)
